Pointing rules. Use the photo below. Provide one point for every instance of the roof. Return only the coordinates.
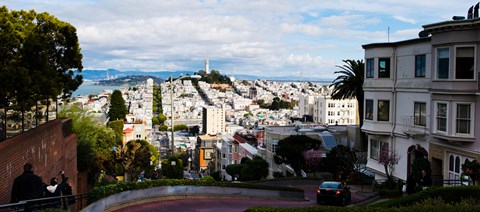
(249, 148)
(399, 43)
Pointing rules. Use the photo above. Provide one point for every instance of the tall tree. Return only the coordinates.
(118, 109)
(39, 57)
(290, 150)
(349, 85)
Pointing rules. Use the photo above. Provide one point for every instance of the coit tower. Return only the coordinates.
(206, 66)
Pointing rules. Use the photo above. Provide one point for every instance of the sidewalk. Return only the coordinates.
(364, 195)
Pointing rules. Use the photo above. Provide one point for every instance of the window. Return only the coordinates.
(376, 147)
(443, 60)
(441, 116)
(383, 110)
(384, 68)
(419, 112)
(370, 68)
(369, 109)
(463, 121)
(420, 64)
(464, 62)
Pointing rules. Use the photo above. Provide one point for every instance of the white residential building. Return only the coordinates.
(213, 120)
(420, 99)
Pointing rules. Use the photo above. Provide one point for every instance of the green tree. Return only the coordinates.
(254, 169)
(340, 159)
(180, 127)
(163, 128)
(40, 58)
(161, 118)
(290, 150)
(94, 142)
(234, 170)
(118, 109)
(349, 85)
(172, 168)
(117, 127)
(135, 157)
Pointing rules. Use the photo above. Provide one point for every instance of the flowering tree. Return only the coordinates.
(312, 158)
(388, 159)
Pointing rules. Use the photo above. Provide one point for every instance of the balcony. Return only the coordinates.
(410, 128)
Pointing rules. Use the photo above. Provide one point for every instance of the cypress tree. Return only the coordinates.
(118, 109)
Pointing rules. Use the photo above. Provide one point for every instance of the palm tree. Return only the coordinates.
(349, 84)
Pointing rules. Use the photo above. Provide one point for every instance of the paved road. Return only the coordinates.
(191, 204)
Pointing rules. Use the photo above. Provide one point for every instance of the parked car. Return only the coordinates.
(331, 192)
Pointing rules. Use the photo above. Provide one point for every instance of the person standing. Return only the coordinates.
(426, 180)
(27, 186)
(67, 191)
(411, 184)
(55, 190)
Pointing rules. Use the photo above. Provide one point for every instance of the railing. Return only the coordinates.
(14, 122)
(71, 202)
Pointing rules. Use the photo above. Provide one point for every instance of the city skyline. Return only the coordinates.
(301, 39)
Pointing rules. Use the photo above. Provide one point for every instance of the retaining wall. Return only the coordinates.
(133, 197)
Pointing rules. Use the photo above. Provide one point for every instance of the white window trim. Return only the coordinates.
(426, 116)
(454, 61)
(472, 118)
(435, 110)
(449, 62)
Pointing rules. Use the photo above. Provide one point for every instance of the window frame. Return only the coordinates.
(456, 62)
(437, 117)
(420, 69)
(379, 110)
(370, 68)
(471, 119)
(437, 64)
(387, 68)
(375, 155)
(424, 116)
(366, 109)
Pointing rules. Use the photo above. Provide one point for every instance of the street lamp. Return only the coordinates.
(172, 148)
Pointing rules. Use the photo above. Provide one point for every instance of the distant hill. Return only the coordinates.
(97, 75)
(130, 80)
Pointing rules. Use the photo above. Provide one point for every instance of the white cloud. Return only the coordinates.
(264, 37)
(407, 20)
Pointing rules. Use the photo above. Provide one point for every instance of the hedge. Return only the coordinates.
(448, 194)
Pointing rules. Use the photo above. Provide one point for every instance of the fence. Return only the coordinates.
(81, 201)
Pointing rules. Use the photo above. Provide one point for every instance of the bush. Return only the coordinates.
(448, 194)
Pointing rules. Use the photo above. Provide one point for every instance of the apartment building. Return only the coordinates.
(213, 120)
(325, 110)
(421, 98)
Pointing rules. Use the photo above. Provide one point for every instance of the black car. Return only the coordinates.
(333, 192)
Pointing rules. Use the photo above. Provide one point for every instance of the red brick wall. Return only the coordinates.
(46, 148)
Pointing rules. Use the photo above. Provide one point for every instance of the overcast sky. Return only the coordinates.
(301, 39)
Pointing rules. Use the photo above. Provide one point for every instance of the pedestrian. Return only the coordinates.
(68, 191)
(27, 186)
(55, 190)
(465, 178)
(426, 180)
(411, 184)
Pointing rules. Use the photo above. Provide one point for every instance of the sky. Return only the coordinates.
(299, 39)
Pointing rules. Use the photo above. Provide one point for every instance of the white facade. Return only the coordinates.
(213, 120)
(325, 110)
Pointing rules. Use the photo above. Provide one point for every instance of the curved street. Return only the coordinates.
(203, 203)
